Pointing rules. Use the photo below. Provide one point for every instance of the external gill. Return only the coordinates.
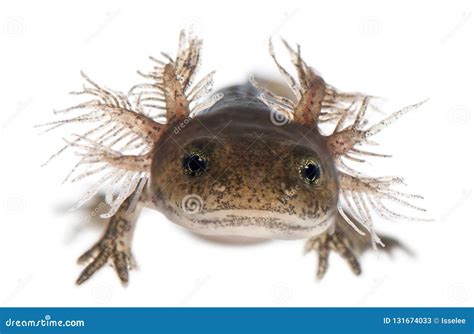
(317, 102)
(116, 149)
(342, 141)
(171, 88)
(360, 193)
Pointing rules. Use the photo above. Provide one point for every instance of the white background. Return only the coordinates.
(404, 52)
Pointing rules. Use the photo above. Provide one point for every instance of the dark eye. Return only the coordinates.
(194, 164)
(310, 171)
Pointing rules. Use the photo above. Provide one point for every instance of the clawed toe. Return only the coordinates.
(327, 242)
(106, 250)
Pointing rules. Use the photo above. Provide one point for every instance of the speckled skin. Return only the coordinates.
(245, 162)
(252, 186)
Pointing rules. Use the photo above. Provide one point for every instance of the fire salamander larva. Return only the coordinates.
(244, 162)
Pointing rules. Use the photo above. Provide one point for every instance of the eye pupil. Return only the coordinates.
(311, 172)
(194, 164)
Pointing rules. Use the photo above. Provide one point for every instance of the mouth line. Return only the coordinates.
(263, 218)
(250, 223)
(269, 228)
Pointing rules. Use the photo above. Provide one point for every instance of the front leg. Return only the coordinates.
(347, 243)
(115, 245)
(338, 242)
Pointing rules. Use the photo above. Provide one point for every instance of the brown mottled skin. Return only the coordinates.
(254, 160)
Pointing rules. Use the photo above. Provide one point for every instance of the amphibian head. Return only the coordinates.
(232, 171)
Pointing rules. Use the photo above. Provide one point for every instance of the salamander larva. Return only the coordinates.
(243, 162)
